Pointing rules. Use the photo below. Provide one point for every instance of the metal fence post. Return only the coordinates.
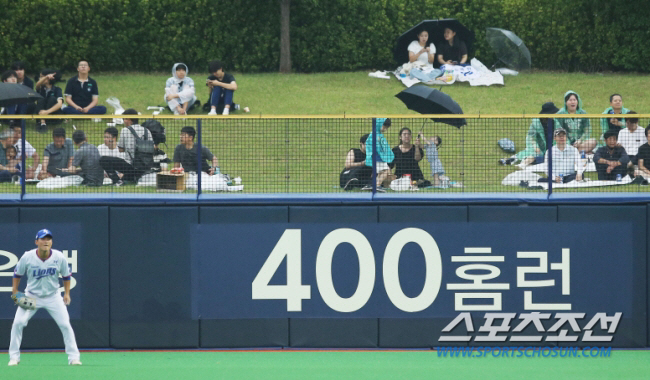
(374, 156)
(198, 156)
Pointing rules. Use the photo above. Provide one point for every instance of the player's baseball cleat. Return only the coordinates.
(13, 362)
(75, 362)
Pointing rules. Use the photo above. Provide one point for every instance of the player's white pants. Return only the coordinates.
(57, 309)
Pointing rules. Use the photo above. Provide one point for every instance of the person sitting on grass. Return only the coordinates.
(611, 160)
(535, 140)
(222, 89)
(19, 68)
(407, 158)
(642, 173)
(612, 123)
(186, 154)
(631, 138)
(9, 76)
(565, 160)
(385, 155)
(82, 93)
(578, 129)
(30, 171)
(453, 51)
(179, 90)
(86, 161)
(6, 170)
(52, 101)
(123, 168)
(57, 155)
(355, 173)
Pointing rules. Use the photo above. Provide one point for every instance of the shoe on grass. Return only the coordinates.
(212, 112)
(13, 362)
(75, 362)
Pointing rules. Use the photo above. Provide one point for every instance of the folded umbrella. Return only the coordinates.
(426, 100)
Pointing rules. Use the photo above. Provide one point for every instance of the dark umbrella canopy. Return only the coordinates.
(13, 93)
(509, 48)
(427, 100)
(436, 29)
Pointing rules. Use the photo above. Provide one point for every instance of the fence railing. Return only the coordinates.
(321, 154)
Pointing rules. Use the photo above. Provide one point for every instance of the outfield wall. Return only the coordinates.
(355, 275)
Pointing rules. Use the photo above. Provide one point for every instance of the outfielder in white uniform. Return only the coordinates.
(42, 266)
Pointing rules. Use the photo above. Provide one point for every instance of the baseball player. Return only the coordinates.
(42, 266)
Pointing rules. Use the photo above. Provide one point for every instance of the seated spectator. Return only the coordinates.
(612, 123)
(19, 68)
(57, 156)
(160, 159)
(385, 155)
(6, 170)
(408, 156)
(565, 160)
(120, 169)
(109, 147)
(420, 51)
(222, 89)
(82, 93)
(86, 161)
(631, 137)
(179, 90)
(355, 173)
(186, 154)
(535, 140)
(431, 146)
(52, 101)
(611, 160)
(578, 129)
(453, 51)
(29, 150)
(12, 161)
(10, 76)
(643, 156)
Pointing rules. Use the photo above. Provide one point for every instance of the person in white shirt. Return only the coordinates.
(29, 151)
(42, 266)
(120, 169)
(109, 147)
(420, 51)
(565, 159)
(631, 138)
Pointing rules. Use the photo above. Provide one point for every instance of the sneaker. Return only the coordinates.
(13, 362)
(381, 189)
(75, 362)
(367, 188)
(212, 112)
(119, 183)
(237, 107)
(352, 180)
(41, 128)
(507, 161)
(226, 111)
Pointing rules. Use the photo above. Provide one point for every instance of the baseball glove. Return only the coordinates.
(27, 303)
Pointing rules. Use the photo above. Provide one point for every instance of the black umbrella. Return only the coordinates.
(13, 93)
(436, 29)
(509, 48)
(427, 100)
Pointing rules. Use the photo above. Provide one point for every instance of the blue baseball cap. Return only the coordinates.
(43, 233)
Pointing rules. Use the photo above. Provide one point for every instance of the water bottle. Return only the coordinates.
(619, 178)
(583, 155)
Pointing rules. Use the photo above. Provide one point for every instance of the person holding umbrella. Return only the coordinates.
(420, 51)
(453, 51)
(535, 140)
(10, 76)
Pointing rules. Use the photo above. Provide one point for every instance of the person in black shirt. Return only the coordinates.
(643, 157)
(186, 154)
(408, 156)
(52, 97)
(356, 174)
(82, 93)
(453, 51)
(222, 89)
(611, 159)
(19, 68)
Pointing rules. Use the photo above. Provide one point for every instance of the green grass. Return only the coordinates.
(286, 365)
(306, 155)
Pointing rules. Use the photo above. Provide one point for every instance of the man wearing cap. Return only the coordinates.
(611, 159)
(535, 140)
(565, 159)
(86, 161)
(42, 267)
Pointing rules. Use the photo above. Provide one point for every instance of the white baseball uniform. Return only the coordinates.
(43, 287)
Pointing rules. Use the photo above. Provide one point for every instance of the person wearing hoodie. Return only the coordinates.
(578, 129)
(179, 90)
(385, 154)
(612, 123)
(535, 140)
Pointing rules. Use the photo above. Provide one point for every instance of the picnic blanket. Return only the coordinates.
(217, 182)
(477, 74)
(63, 182)
(531, 179)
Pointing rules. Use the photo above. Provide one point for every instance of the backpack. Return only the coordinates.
(143, 156)
(157, 131)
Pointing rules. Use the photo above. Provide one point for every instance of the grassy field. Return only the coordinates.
(306, 155)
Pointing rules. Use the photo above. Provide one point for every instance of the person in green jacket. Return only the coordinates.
(578, 129)
(612, 123)
(535, 140)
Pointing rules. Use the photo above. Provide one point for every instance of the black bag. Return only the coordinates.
(143, 156)
(157, 131)
(355, 178)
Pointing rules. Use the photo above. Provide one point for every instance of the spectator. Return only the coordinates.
(29, 149)
(431, 146)
(612, 123)
(355, 173)
(535, 140)
(86, 161)
(160, 159)
(420, 51)
(565, 160)
(82, 93)
(10, 76)
(222, 89)
(6, 170)
(642, 172)
(453, 51)
(19, 68)
(179, 90)
(186, 154)
(52, 97)
(631, 137)
(57, 156)
(578, 129)
(385, 155)
(408, 156)
(109, 147)
(120, 169)
(611, 160)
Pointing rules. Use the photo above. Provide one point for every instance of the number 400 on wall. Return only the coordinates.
(295, 291)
